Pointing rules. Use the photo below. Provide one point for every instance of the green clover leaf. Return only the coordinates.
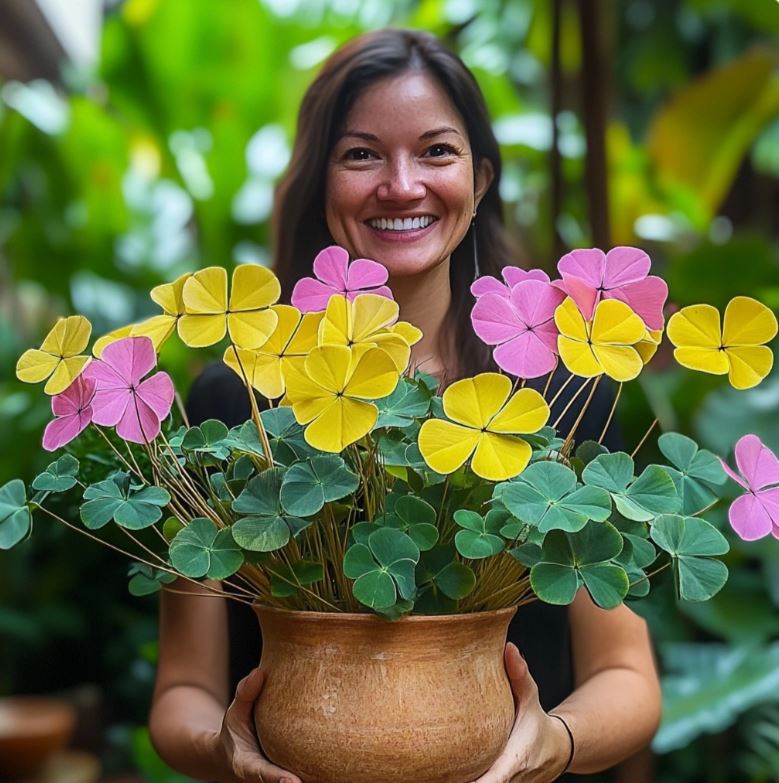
(264, 526)
(59, 476)
(15, 517)
(546, 495)
(208, 442)
(692, 543)
(409, 401)
(640, 499)
(413, 516)
(480, 536)
(115, 499)
(308, 485)
(145, 580)
(383, 569)
(696, 472)
(571, 560)
(286, 579)
(202, 549)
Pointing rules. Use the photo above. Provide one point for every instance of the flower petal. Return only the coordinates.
(578, 357)
(500, 457)
(474, 401)
(200, 331)
(495, 320)
(205, 291)
(254, 288)
(251, 328)
(535, 302)
(446, 446)
(363, 273)
(157, 392)
(139, 423)
(748, 322)
(696, 326)
(646, 298)
(344, 422)
(614, 323)
(312, 296)
(65, 373)
(262, 369)
(373, 376)
(570, 321)
(330, 266)
(620, 362)
(170, 296)
(749, 366)
(62, 430)
(526, 412)
(757, 463)
(588, 265)
(625, 265)
(131, 358)
(750, 518)
(35, 365)
(68, 337)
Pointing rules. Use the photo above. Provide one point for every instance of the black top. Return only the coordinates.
(539, 630)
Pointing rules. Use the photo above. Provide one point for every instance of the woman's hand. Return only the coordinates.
(538, 747)
(236, 745)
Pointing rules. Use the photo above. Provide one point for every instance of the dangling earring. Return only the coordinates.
(476, 271)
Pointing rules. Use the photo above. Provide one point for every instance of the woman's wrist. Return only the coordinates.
(562, 747)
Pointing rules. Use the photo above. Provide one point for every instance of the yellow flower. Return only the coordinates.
(330, 393)
(604, 345)
(647, 346)
(737, 349)
(158, 328)
(370, 321)
(294, 336)
(247, 316)
(486, 424)
(59, 358)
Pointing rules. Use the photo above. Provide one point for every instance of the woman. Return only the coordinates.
(395, 129)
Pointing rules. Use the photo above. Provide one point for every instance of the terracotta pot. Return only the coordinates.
(351, 697)
(32, 730)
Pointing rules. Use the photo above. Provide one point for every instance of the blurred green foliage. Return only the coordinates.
(164, 160)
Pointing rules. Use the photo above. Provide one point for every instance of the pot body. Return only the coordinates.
(351, 697)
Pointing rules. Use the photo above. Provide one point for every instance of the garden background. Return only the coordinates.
(158, 153)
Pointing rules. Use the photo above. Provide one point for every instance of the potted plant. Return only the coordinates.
(374, 523)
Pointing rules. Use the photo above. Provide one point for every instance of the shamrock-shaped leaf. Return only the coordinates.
(265, 525)
(207, 440)
(285, 580)
(15, 517)
(382, 569)
(171, 527)
(413, 516)
(145, 580)
(440, 569)
(59, 476)
(546, 495)
(115, 499)
(585, 453)
(642, 499)
(480, 536)
(408, 402)
(201, 549)
(308, 485)
(285, 436)
(693, 543)
(696, 472)
(571, 560)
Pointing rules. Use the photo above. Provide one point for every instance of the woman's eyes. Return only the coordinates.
(435, 151)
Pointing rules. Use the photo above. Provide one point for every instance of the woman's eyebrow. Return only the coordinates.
(356, 134)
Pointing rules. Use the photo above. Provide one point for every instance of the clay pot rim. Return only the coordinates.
(369, 617)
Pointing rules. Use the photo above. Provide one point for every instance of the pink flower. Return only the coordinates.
(73, 411)
(121, 398)
(337, 276)
(756, 513)
(591, 275)
(512, 275)
(522, 327)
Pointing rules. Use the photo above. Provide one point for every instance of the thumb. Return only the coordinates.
(523, 685)
(247, 691)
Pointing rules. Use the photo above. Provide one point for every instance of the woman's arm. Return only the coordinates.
(614, 711)
(191, 725)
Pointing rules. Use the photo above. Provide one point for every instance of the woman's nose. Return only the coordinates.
(402, 183)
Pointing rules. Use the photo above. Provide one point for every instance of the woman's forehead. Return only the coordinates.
(413, 102)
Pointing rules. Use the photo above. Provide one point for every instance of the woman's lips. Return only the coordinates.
(410, 235)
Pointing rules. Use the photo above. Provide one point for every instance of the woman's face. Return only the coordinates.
(400, 180)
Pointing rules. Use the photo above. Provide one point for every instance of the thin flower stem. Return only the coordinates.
(569, 439)
(548, 383)
(562, 388)
(611, 413)
(643, 440)
(255, 409)
(653, 573)
(570, 402)
(120, 550)
(114, 449)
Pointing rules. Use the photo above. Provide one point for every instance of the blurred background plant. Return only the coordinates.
(142, 139)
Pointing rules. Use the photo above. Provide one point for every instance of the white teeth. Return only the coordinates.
(401, 224)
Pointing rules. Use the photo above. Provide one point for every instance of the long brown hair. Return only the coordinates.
(299, 224)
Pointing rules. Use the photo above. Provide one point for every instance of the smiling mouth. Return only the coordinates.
(402, 224)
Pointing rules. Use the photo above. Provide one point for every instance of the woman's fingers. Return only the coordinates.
(523, 686)
(253, 769)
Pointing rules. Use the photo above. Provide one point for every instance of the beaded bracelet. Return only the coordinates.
(570, 736)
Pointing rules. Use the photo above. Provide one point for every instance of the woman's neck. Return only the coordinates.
(424, 301)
